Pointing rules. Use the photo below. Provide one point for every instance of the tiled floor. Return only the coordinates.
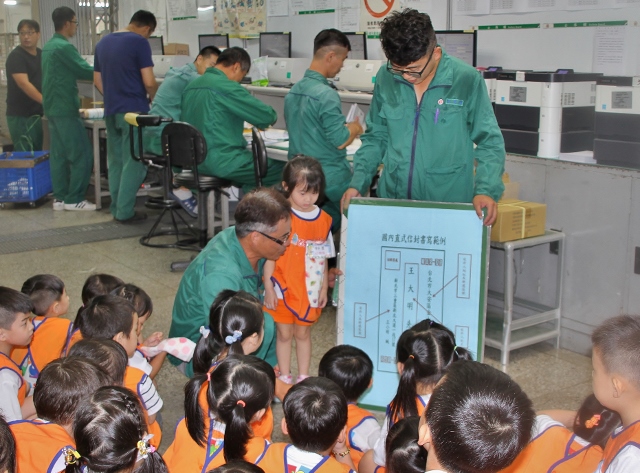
(552, 378)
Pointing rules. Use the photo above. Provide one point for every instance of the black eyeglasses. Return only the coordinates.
(414, 74)
(280, 242)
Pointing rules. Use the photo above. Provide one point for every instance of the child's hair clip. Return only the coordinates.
(71, 456)
(230, 339)
(591, 423)
(204, 331)
(144, 449)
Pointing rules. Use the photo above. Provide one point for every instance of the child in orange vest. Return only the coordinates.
(61, 386)
(16, 330)
(109, 355)
(315, 418)
(478, 419)
(8, 451)
(352, 370)
(404, 455)
(111, 435)
(51, 332)
(296, 284)
(616, 384)
(112, 317)
(240, 391)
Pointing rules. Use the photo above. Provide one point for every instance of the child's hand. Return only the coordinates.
(153, 340)
(270, 298)
(322, 299)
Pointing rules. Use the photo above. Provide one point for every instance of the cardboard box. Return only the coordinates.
(176, 49)
(518, 219)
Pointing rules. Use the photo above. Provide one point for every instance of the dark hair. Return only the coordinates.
(60, 16)
(235, 55)
(616, 341)
(599, 432)
(316, 411)
(237, 466)
(144, 18)
(109, 355)
(44, 290)
(240, 386)
(303, 170)
(62, 384)
(31, 23)
(108, 426)
(404, 455)
(480, 419)
(12, 303)
(407, 36)
(105, 317)
(137, 296)
(349, 367)
(330, 37)
(260, 210)
(8, 447)
(425, 350)
(231, 312)
(209, 51)
(95, 285)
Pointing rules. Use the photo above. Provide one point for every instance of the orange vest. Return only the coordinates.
(355, 416)
(184, 455)
(50, 336)
(39, 445)
(421, 405)
(628, 436)
(133, 377)
(275, 461)
(290, 270)
(7, 363)
(74, 338)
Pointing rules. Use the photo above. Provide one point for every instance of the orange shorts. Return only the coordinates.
(282, 315)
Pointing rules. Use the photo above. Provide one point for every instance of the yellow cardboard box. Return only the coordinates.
(176, 49)
(518, 219)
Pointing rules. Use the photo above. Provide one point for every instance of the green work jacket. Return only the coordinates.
(427, 148)
(316, 126)
(62, 66)
(218, 107)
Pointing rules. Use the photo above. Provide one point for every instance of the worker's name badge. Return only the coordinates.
(457, 102)
(318, 249)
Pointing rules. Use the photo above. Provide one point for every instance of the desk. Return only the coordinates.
(280, 151)
(97, 126)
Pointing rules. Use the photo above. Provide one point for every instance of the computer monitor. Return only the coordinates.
(157, 46)
(275, 44)
(460, 44)
(358, 45)
(220, 41)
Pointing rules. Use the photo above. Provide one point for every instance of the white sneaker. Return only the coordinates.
(58, 204)
(84, 205)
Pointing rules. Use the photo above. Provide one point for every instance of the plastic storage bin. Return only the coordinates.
(24, 176)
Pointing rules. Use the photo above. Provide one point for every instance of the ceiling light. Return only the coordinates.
(10, 2)
(210, 7)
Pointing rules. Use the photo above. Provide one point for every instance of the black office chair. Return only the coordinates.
(260, 163)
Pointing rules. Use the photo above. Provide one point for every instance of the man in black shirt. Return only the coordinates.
(24, 87)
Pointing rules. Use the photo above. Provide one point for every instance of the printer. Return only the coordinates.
(162, 64)
(546, 113)
(286, 71)
(617, 124)
(358, 74)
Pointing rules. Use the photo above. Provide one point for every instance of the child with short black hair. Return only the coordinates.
(16, 330)
(352, 370)
(8, 450)
(404, 455)
(109, 355)
(237, 466)
(51, 332)
(315, 418)
(478, 420)
(61, 386)
(111, 435)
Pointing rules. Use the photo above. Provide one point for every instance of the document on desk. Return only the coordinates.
(356, 112)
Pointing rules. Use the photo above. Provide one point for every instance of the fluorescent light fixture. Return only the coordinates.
(210, 7)
(10, 2)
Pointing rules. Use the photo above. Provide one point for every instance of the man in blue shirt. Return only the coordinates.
(123, 72)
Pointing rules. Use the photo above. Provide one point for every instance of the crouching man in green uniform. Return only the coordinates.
(234, 259)
(71, 156)
(428, 111)
(217, 105)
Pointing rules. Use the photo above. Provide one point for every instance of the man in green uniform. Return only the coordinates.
(316, 125)
(71, 157)
(428, 111)
(234, 260)
(217, 105)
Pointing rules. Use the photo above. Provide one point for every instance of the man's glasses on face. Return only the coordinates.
(279, 241)
(414, 74)
(27, 33)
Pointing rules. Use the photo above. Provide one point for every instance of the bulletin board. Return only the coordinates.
(405, 261)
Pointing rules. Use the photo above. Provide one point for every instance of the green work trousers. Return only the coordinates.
(70, 158)
(245, 177)
(26, 132)
(126, 175)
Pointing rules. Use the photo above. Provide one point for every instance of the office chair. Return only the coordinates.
(260, 164)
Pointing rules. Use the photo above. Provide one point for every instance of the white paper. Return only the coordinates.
(609, 50)
(424, 6)
(356, 113)
(312, 5)
(472, 7)
(182, 9)
(349, 15)
(588, 4)
(277, 7)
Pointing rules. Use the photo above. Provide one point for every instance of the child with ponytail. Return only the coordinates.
(239, 392)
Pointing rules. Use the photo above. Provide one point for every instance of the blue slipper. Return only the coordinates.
(189, 205)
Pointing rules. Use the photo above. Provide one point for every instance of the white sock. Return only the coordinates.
(183, 194)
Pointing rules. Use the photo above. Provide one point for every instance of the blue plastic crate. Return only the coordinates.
(24, 176)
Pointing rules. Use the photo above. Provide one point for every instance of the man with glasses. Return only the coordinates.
(24, 89)
(71, 157)
(234, 259)
(428, 112)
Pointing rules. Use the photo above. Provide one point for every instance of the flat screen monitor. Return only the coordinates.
(220, 41)
(275, 44)
(460, 44)
(157, 46)
(358, 45)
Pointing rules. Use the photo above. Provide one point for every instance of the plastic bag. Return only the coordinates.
(258, 72)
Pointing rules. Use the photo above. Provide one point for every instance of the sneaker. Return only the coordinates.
(58, 204)
(302, 377)
(286, 378)
(190, 205)
(84, 205)
(137, 218)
